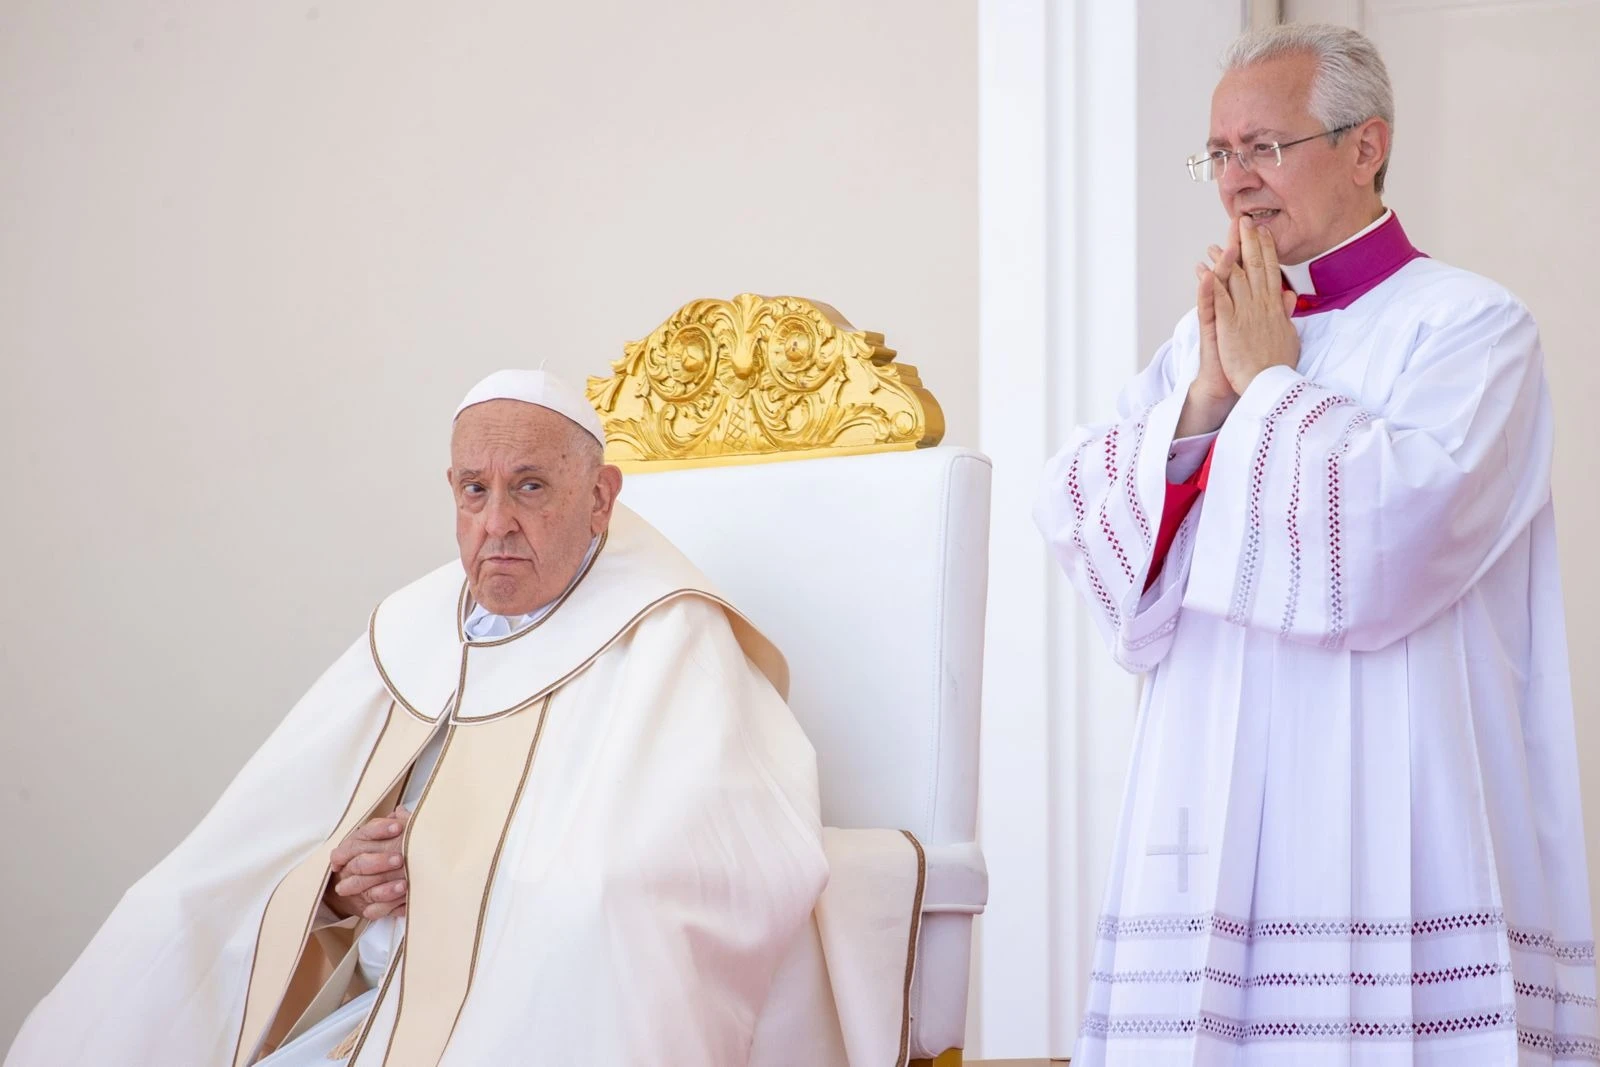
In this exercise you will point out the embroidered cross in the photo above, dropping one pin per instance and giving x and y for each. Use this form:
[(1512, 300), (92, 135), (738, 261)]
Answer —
[(1180, 850)]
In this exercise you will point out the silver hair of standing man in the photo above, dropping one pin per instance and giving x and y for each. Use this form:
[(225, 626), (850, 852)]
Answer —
[(1351, 85)]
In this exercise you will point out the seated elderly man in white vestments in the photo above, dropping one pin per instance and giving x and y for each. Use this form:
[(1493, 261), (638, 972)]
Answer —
[(553, 809), (1321, 518)]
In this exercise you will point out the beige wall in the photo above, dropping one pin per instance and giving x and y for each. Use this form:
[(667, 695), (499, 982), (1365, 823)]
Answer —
[(1180, 42), (251, 254)]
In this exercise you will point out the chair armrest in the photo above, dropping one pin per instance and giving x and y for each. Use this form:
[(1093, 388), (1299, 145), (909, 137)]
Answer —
[(957, 879)]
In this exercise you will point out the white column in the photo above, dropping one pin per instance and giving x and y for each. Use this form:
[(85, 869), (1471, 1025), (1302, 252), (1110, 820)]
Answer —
[(1057, 337), (1013, 972), (1067, 89)]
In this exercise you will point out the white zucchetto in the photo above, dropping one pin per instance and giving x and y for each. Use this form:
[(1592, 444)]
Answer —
[(540, 388)]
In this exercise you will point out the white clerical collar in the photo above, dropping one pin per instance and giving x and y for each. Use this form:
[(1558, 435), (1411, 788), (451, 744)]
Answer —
[(1298, 275), (481, 625)]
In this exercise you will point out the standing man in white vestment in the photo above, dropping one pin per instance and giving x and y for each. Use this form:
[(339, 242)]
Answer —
[(1321, 520), (551, 808)]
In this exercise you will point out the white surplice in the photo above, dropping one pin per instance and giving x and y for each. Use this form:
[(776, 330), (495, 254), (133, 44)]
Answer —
[(1352, 831)]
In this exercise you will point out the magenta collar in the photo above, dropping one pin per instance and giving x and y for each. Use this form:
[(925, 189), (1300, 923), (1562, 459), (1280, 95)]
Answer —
[(1346, 274)]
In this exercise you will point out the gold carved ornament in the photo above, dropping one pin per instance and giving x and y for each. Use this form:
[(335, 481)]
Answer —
[(759, 378)]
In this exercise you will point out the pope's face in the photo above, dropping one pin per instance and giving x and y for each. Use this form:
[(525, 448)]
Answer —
[(1322, 193), (531, 494)]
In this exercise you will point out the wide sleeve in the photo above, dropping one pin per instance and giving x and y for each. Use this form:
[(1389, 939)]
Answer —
[(1350, 526), (1100, 506), (666, 853)]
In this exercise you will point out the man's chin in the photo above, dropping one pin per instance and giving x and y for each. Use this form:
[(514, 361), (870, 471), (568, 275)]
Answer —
[(502, 594), (1289, 245)]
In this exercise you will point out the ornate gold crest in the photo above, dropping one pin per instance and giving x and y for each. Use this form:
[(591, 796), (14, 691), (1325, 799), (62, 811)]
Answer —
[(757, 378)]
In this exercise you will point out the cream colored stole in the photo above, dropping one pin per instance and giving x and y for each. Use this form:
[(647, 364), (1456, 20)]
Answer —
[(452, 851)]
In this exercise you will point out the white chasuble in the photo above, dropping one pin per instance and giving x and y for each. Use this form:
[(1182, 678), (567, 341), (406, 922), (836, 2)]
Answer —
[(1351, 832), (615, 851)]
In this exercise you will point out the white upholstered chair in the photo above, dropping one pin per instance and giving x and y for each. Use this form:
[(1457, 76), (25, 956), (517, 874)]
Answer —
[(868, 570)]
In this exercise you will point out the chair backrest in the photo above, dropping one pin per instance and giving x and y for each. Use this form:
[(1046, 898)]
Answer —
[(869, 572)]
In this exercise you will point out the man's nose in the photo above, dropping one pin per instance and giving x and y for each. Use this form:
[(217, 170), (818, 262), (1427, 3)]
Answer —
[(499, 519), (1236, 179)]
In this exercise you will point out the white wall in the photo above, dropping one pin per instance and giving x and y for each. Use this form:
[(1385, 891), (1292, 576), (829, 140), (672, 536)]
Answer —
[(251, 254), (1179, 47)]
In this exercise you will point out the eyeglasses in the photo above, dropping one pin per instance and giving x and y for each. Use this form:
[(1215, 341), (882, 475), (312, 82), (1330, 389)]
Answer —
[(1211, 166)]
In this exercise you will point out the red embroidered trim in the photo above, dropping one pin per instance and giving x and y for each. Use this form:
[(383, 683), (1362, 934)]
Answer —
[(1363, 979), (1105, 517), (1237, 1031), (1250, 553), (1562, 1046), (1544, 992), (1292, 599), (1544, 941), (1131, 479), (1113, 928), (1080, 515), (1337, 623), (1357, 1028)]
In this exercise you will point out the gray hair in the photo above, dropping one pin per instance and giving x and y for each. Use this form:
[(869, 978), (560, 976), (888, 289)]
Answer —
[(1351, 83), (592, 451)]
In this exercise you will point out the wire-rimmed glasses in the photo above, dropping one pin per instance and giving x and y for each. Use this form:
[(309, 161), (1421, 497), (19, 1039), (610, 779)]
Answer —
[(1211, 166)]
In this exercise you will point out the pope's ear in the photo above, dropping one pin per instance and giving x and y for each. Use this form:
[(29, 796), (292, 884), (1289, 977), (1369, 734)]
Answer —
[(607, 486)]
